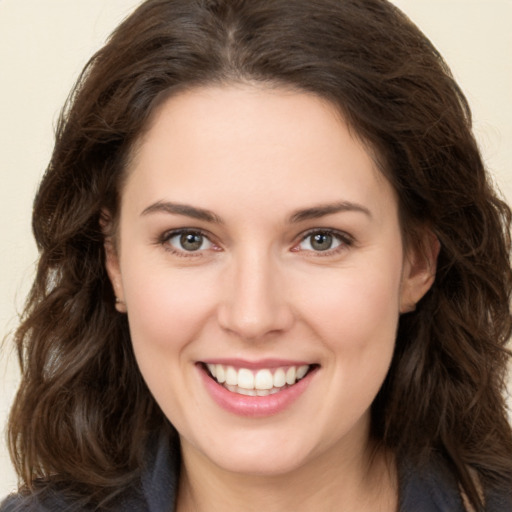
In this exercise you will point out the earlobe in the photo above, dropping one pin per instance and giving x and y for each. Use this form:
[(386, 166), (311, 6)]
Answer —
[(419, 271), (120, 305), (112, 263), (114, 274)]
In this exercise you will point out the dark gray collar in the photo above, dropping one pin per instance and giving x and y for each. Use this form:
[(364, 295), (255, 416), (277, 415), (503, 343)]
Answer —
[(431, 489), (161, 474)]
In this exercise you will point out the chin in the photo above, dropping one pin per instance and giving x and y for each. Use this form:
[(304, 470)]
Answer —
[(262, 465), (260, 454)]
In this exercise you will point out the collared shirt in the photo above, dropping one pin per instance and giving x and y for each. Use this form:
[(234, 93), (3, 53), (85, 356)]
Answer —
[(432, 490)]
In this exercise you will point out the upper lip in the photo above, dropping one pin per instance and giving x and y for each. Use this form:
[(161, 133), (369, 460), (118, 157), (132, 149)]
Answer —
[(255, 365)]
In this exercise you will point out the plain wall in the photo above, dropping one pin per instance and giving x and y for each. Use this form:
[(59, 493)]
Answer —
[(45, 43)]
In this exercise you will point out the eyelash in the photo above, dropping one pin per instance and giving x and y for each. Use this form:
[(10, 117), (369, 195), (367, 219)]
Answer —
[(344, 239)]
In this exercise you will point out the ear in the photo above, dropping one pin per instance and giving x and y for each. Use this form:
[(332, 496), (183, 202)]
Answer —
[(419, 270), (112, 260)]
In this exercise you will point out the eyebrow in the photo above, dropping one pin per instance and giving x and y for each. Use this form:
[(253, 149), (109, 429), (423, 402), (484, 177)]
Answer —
[(322, 210), (301, 215), (183, 209)]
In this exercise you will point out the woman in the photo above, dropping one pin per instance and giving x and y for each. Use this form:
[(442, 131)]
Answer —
[(273, 274)]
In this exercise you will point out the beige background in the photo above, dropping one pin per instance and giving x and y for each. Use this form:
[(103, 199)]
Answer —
[(45, 43)]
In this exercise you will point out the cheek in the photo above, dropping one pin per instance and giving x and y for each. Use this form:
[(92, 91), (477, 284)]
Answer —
[(358, 325), (167, 307), (167, 311), (356, 309)]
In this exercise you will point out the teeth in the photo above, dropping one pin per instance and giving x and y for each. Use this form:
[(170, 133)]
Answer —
[(260, 383), (231, 376), (212, 369), (279, 378), (301, 371), (248, 392), (291, 375), (220, 373), (245, 379), (263, 380)]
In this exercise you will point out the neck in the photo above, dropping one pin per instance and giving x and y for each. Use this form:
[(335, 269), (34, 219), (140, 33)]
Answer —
[(367, 483)]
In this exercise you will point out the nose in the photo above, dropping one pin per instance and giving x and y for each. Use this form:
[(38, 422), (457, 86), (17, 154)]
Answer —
[(254, 301)]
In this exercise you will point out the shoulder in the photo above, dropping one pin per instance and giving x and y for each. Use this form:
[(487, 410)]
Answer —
[(35, 503), (154, 490), (10, 504), (433, 488), (47, 499), (50, 499), (429, 488)]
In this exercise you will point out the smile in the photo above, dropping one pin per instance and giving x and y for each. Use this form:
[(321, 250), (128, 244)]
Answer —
[(262, 382), (256, 390)]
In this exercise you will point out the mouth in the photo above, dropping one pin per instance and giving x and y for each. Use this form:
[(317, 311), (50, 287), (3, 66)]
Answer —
[(257, 382)]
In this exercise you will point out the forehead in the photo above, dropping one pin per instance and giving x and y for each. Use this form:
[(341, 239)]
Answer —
[(253, 141)]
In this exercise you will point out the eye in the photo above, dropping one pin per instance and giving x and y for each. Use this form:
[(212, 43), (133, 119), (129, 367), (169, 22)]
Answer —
[(323, 241), (188, 241)]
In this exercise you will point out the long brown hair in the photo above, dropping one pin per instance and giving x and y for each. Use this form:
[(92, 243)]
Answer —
[(83, 412)]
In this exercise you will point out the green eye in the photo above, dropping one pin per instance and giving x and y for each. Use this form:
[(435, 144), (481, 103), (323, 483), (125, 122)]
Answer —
[(189, 241), (321, 241)]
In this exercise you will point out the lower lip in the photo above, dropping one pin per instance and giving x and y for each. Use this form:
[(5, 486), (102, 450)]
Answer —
[(254, 406)]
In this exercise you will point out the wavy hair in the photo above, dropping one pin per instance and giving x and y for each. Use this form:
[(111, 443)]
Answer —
[(83, 413)]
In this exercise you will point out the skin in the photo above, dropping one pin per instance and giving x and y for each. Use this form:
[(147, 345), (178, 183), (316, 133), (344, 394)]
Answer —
[(257, 288)]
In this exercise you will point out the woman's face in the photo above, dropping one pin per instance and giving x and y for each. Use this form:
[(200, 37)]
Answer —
[(259, 246)]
